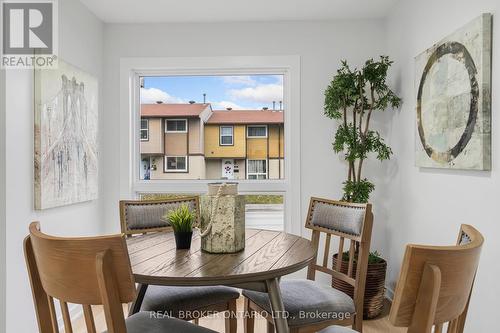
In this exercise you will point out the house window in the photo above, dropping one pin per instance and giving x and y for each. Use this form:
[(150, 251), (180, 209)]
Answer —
[(176, 126), (257, 131), (226, 135), (212, 141), (175, 163), (144, 129), (256, 169)]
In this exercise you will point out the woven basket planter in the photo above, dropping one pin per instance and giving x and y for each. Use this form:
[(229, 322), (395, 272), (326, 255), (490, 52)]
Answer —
[(374, 290)]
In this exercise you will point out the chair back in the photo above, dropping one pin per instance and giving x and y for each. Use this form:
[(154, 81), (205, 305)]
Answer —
[(87, 271), (435, 284), (143, 216), (349, 222)]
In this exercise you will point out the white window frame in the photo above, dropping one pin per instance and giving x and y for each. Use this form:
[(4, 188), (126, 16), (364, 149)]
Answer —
[(232, 135), (176, 170), (260, 136), (176, 119), (132, 69), (258, 173), (145, 129)]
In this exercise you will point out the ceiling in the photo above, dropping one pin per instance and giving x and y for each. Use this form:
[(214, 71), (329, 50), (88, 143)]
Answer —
[(155, 11)]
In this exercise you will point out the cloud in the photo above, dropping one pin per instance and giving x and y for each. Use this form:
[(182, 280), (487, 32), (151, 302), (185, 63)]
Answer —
[(153, 95), (243, 80), (222, 105), (264, 93)]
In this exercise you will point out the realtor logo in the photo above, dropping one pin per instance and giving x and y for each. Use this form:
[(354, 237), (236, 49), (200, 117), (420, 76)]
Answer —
[(29, 34)]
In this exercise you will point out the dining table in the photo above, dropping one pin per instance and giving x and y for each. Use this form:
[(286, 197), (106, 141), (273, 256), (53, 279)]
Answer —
[(268, 255)]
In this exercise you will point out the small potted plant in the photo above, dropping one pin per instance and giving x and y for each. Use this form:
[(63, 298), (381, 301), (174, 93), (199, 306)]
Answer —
[(181, 219)]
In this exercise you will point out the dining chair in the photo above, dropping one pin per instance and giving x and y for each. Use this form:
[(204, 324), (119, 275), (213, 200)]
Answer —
[(189, 303), (311, 306), (435, 285), (88, 271)]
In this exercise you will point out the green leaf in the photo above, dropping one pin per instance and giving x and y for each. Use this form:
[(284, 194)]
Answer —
[(181, 219), (354, 93), (357, 191)]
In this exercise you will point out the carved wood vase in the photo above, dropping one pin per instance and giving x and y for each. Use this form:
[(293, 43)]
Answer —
[(222, 219)]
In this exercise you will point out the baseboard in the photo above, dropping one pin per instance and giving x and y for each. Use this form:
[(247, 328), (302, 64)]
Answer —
[(75, 311)]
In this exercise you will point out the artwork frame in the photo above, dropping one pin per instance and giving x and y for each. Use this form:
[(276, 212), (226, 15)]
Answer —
[(453, 100), (66, 149)]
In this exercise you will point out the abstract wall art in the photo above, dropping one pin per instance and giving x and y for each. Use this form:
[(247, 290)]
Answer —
[(66, 147), (453, 92)]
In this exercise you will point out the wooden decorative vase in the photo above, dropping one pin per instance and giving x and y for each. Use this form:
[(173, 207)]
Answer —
[(222, 219)]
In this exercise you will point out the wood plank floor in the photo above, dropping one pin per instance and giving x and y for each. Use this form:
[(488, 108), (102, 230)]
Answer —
[(378, 325)]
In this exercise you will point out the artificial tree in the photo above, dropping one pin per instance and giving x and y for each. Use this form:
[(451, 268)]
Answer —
[(352, 97)]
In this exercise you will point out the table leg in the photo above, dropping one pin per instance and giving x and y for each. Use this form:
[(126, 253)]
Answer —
[(277, 307), (136, 305)]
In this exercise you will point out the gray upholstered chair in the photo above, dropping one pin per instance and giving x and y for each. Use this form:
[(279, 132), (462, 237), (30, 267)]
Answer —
[(145, 216), (311, 306), (337, 329)]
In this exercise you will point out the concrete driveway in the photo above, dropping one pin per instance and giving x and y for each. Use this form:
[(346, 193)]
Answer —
[(264, 216)]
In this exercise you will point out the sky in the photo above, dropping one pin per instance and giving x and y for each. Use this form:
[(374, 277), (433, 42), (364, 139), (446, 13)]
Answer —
[(240, 92)]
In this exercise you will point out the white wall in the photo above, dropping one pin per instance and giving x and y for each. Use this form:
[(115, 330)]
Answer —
[(430, 204), (321, 46), (81, 44), (2, 202)]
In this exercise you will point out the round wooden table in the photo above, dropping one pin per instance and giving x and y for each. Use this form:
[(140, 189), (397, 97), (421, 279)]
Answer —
[(267, 256)]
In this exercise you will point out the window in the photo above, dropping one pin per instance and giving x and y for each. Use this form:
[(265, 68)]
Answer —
[(255, 131), (144, 129), (175, 163), (256, 169), (141, 76), (209, 138), (226, 135), (176, 126)]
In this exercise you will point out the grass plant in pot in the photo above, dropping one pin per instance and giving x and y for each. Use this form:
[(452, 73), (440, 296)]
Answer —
[(181, 219), (351, 98)]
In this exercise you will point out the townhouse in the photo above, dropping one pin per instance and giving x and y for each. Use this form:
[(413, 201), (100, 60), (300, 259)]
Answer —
[(192, 141)]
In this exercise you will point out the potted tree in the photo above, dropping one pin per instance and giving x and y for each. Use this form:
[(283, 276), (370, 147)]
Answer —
[(352, 97), (181, 219)]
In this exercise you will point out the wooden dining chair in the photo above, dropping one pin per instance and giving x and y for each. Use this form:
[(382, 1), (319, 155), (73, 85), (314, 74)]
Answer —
[(88, 271), (311, 306), (189, 303), (146, 216), (435, 285)]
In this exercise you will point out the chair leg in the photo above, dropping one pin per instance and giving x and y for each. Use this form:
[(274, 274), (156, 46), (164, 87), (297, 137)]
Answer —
[(231, 320), (248, 317), (358, 323), (270, 327)]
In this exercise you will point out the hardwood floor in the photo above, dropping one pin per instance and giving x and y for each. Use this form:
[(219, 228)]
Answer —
[(379, 325)]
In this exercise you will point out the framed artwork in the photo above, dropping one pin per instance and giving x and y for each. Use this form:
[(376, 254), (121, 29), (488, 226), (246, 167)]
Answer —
[(66, 127), (453, 92)]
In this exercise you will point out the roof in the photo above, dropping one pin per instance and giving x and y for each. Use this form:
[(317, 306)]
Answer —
[(173, 110), (246, 117)]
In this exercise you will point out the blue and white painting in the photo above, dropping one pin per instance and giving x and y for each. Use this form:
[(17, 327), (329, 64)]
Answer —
[(66, 127)]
